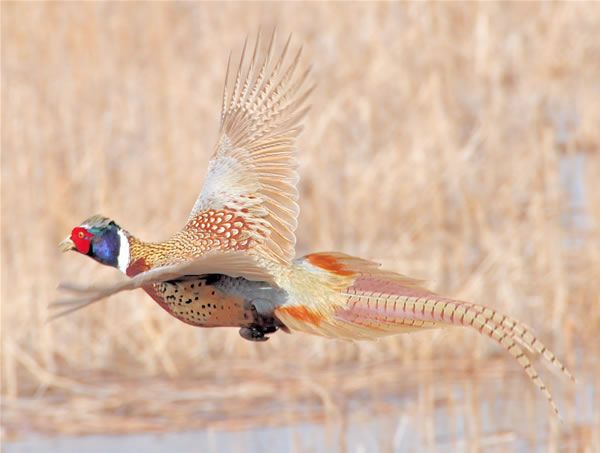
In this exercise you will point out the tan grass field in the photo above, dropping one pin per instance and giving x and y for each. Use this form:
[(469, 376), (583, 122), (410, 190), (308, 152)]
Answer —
[(458, 143)]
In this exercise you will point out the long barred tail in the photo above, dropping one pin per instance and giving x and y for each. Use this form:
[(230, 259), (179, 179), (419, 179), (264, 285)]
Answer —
[(389, 313), (379, 303), (523, 335)]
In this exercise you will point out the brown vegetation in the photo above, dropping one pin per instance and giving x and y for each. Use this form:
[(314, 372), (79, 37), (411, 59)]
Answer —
[(458, 143)]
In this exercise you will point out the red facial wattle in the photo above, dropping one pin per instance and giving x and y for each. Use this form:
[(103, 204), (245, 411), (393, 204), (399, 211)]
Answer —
[(81, 238)]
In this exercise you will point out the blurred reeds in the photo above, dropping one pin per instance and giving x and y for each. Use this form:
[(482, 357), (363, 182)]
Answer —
[(458, 143)]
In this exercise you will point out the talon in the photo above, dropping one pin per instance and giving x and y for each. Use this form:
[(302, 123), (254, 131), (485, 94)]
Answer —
[(269, 329), (256, 333)]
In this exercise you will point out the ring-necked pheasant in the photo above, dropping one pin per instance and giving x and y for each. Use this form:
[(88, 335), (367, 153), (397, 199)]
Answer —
[(233, 262)]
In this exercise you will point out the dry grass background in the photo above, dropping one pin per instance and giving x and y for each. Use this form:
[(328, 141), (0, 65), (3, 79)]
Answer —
[(434, 144)]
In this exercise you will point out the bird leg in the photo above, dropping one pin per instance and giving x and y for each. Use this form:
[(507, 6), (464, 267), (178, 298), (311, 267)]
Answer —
[(263, 320)]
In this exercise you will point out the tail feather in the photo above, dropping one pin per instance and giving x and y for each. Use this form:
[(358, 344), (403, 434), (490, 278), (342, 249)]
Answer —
[(525, 337), (393, 314), (374, 303)]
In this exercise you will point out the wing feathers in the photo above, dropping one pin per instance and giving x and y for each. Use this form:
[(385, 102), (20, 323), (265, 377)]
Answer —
[(238, 77), (234, 264), (253, 169), (224, 101)]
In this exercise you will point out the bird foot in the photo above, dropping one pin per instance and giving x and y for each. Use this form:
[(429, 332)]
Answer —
[(264, 320), (257, 333)]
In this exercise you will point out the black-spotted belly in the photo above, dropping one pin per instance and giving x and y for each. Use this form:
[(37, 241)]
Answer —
[(218, 300)]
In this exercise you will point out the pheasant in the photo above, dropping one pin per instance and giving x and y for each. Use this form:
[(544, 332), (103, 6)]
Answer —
[(233, 265)]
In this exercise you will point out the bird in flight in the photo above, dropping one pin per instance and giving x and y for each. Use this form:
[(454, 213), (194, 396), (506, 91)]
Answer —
[(233, 263)]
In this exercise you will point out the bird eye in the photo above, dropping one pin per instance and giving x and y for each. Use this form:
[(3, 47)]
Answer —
[(80, 235)]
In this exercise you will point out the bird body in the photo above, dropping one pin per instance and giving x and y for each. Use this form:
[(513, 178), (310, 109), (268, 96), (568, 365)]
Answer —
[(233, 263), (215, 300)]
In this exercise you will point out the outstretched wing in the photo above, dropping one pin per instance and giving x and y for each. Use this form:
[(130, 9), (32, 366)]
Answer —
[(252, 173), (234, 264)]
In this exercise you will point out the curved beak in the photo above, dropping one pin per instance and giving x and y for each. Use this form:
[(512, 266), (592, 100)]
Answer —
[(66, 245)]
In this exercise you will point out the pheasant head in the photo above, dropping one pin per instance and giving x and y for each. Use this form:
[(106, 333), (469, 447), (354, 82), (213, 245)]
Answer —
[(102, 239)]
